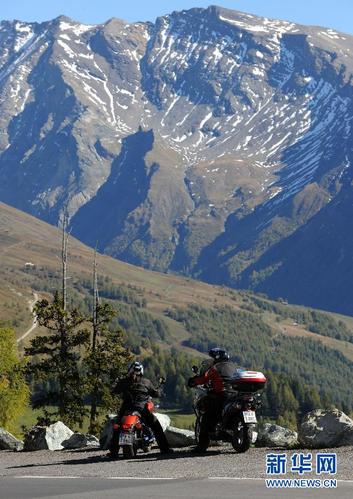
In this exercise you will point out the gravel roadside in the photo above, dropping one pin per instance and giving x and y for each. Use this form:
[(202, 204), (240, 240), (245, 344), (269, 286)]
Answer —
[(216, 463)]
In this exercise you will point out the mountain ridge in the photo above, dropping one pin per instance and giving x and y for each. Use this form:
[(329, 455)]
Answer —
[(249, 123)]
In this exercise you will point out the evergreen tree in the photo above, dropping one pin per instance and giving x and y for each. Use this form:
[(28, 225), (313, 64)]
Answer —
[(56, 361), (14, 392)]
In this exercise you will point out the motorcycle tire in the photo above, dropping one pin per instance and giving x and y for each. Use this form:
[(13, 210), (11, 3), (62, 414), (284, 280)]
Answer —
[(129, 451), (241, 438), (114, 446), (114, 453), (202, 441)]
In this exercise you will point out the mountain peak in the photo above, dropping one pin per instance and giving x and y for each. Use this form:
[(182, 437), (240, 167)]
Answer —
[(251, 135), (63, 18)]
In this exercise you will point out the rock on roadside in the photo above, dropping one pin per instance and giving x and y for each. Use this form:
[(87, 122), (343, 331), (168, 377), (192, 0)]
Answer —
[(92, 440), (47, 437), (180, 438), (272, 435), (326, 428), (80, 440), (107, 432), (163, 419), (9, 442)]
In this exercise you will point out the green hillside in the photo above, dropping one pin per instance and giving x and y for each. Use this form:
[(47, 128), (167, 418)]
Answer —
[(307, 354)]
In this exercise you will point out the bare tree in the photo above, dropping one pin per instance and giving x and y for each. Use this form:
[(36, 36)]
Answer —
[(107, 357), (95, 332), (64, 246)]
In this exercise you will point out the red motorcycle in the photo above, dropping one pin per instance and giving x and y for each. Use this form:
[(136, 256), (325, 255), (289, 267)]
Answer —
[(131, 434)]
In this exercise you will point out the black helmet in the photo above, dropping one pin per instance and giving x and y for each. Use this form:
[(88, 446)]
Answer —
[(136, 368), (218, 354)]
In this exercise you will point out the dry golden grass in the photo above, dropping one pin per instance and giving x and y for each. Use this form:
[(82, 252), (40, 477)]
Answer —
[(344, 347), (24, 238)]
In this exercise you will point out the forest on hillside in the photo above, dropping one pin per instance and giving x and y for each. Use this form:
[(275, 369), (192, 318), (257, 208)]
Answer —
[(302, 374)]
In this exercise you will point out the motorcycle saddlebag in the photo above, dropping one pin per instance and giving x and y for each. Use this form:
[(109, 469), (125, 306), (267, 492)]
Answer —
[(248, 381)]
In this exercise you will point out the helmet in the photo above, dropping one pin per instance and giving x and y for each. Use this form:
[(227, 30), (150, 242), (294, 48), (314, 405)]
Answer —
[(218, 354), (136, 368)]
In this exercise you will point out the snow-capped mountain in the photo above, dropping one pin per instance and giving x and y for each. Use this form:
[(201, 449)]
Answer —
[(196, 144)]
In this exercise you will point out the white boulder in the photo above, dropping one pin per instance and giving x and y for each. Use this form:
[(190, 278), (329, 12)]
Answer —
[(80, 440), (180, 438), (76, 441), (92, 440), (326, 428), (47, 437), (163, 419), (272, 435), (9, 442), (107, 432)]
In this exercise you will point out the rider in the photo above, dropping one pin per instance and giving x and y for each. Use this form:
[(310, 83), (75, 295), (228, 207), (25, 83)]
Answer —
[(136, 391), (216, 378)]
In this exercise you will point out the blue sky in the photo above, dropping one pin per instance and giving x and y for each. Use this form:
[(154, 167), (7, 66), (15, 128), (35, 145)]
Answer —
[(336, 14)]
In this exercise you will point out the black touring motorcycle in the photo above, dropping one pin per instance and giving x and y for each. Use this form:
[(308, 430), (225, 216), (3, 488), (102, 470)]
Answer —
[(238, 422)]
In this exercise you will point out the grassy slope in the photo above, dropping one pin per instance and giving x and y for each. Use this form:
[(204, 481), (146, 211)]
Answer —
[(26, 239)]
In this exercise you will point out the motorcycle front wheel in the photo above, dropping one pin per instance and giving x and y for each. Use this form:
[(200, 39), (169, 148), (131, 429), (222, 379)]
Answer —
[(241, 438), (202, 438)]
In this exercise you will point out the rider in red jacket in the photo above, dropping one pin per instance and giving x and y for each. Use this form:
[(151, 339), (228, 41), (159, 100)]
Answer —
[(216, 378)]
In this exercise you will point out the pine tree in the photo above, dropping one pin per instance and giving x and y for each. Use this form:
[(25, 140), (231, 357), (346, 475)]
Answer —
[(56, 356), (57, 363), (14, 391)]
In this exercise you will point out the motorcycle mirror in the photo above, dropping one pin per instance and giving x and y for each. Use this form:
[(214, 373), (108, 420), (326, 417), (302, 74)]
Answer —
[(195, 369)]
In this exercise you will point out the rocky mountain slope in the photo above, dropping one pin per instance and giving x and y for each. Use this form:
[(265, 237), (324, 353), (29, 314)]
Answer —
[(211, 142)]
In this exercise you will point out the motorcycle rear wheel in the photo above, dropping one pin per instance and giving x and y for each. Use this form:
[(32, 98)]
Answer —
[(114, 445), (129, 451), (241, 438), (114, 453)]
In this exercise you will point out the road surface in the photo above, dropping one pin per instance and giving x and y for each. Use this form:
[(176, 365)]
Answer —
[(31, 304), (206, 488), (91, 474)]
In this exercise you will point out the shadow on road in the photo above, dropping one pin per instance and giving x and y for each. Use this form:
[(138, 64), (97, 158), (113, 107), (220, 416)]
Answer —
[(176, 455), (140, 458)]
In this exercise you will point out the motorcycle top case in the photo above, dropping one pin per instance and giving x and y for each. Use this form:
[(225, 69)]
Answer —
[(248, 381)]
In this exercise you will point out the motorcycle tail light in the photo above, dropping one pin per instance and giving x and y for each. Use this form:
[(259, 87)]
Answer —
[(150, 406), (129, 420)]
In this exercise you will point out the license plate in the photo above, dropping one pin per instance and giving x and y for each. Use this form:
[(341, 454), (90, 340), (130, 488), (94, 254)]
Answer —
[(249, 417), (126, 439)]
